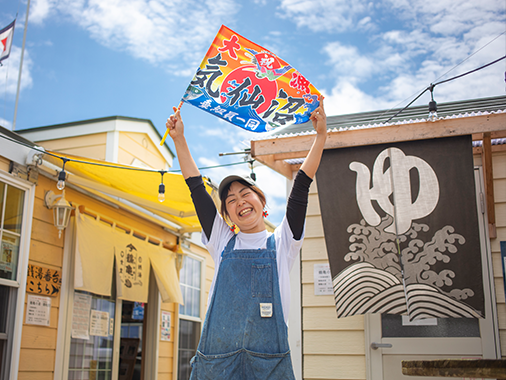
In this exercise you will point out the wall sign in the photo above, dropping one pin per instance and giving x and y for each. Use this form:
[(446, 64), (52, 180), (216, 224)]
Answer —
[(38, 310), (43, 281)]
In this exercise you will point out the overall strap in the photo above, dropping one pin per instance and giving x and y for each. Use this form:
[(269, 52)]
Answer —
[(230, 245), (271, 242)]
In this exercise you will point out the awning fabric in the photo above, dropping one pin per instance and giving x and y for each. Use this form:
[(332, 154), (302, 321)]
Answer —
[(139, 187), (94, 260), (98, 244)]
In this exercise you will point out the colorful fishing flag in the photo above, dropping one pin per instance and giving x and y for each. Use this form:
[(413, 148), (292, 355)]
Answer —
[(249, 86), (6, 35)]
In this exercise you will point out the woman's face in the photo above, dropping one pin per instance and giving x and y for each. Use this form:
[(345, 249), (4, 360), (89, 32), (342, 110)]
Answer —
[(245, 208)]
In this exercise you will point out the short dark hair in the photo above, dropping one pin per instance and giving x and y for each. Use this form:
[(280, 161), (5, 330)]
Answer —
[(256, 189)]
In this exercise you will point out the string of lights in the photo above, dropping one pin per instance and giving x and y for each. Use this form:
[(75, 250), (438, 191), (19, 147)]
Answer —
[(441, 76), (432, 103), (62, 175)]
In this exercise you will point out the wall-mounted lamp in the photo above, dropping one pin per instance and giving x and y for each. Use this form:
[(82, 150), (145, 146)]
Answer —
[(61, 209)]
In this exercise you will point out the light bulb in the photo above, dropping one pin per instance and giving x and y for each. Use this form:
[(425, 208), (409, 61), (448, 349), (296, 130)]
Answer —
[(432, 110), (161, 192), (61, 180)]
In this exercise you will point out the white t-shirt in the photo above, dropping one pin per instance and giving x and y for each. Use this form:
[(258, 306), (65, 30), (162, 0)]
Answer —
[(287, 249)]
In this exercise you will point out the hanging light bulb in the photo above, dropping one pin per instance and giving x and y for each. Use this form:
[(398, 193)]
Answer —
[(60, 185), (432, 105), (161, 188), (161, 192)]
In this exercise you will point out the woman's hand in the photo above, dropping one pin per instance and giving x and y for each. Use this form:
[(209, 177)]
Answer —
[(319, 119), (175, 124), (312, 161)]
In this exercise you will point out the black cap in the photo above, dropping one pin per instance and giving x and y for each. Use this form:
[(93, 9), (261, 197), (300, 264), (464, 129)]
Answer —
[(231, 178)]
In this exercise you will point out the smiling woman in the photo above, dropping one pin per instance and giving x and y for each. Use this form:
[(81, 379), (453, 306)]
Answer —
[(250, 293)]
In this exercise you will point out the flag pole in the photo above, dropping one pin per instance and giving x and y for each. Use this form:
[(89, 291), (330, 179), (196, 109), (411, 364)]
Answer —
[(21, 67), (167, 131)]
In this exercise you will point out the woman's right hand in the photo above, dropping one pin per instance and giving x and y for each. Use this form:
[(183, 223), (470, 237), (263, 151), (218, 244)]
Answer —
[(175, 124)]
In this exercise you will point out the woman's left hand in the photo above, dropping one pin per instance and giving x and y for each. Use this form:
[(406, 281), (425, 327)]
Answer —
[(319, 119)]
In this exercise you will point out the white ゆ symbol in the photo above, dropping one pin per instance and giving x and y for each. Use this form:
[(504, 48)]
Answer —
[(395, 180)]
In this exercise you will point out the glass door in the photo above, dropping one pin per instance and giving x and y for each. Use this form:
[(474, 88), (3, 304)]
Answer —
[(92, 358), (131, 343)]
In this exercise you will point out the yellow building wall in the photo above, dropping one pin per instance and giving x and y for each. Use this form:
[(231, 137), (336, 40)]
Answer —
[(499, 170), (4, 164), (138, 146), (332, 348), (90, 146), (38, 343)]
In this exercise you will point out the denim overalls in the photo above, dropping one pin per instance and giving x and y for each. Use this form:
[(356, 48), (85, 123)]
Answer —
[(245, 335)]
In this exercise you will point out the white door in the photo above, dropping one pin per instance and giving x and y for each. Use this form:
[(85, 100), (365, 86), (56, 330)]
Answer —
[(389, 339)]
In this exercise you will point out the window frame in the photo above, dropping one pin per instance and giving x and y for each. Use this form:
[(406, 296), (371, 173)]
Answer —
[(18, 287)]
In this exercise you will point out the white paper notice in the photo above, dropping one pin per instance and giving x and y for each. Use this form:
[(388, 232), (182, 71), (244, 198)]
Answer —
[(165, 326), (322, 280), (99, 323), (81, 316), (38, 310)]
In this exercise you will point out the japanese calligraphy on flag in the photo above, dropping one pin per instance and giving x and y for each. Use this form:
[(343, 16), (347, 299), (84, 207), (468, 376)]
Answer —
[(249, 86), (6, 35)]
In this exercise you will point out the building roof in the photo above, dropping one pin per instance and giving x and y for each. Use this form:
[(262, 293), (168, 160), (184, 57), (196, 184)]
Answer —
[(284, 150), (99, 125), (412, 114)]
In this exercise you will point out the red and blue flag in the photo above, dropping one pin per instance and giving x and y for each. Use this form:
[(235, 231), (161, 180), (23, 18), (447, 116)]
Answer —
[(249, 86), (6, 35)]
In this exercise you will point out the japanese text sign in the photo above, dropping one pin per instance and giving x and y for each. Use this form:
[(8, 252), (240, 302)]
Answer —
[(249, 86), (43, 281)]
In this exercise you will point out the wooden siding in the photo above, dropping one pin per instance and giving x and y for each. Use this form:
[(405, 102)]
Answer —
[(139, 145), (4, 164), (332, 348), (166, 348), (90, 146), (499, 171), (38, 343)]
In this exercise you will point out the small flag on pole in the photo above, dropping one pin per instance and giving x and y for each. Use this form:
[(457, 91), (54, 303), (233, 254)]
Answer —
[(6, 35), (249, 86)]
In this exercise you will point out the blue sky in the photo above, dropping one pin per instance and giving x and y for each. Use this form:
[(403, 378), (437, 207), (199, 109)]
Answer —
[(94, 58)]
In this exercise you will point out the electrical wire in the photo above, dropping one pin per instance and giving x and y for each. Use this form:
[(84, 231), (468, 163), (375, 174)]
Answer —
[(453, 68), (432, 85), (66, 159)]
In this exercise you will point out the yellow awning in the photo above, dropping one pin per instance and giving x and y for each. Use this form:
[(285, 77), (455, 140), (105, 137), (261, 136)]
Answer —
[(138, 187)]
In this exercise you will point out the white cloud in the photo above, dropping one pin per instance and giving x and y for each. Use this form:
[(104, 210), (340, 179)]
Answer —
[(10, 71), (323, 15), (40, 10), (5, 123), (437, 36), (172, 32)]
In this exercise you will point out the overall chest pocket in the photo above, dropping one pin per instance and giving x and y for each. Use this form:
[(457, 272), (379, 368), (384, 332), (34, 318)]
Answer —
[(261, 280)]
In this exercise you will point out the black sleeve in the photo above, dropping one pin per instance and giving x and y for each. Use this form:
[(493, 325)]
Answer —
[(297, 204), (204, 205)]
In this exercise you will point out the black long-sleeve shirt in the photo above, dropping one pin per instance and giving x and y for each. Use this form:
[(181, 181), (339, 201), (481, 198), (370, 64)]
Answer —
[(295, 209)]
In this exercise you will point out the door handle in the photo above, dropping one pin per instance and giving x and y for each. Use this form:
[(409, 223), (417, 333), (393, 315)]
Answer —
[(375, 345)]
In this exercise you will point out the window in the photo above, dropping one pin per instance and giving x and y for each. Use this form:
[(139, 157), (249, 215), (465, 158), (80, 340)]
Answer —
[(189, 314), (92, 358), (13, 200)]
